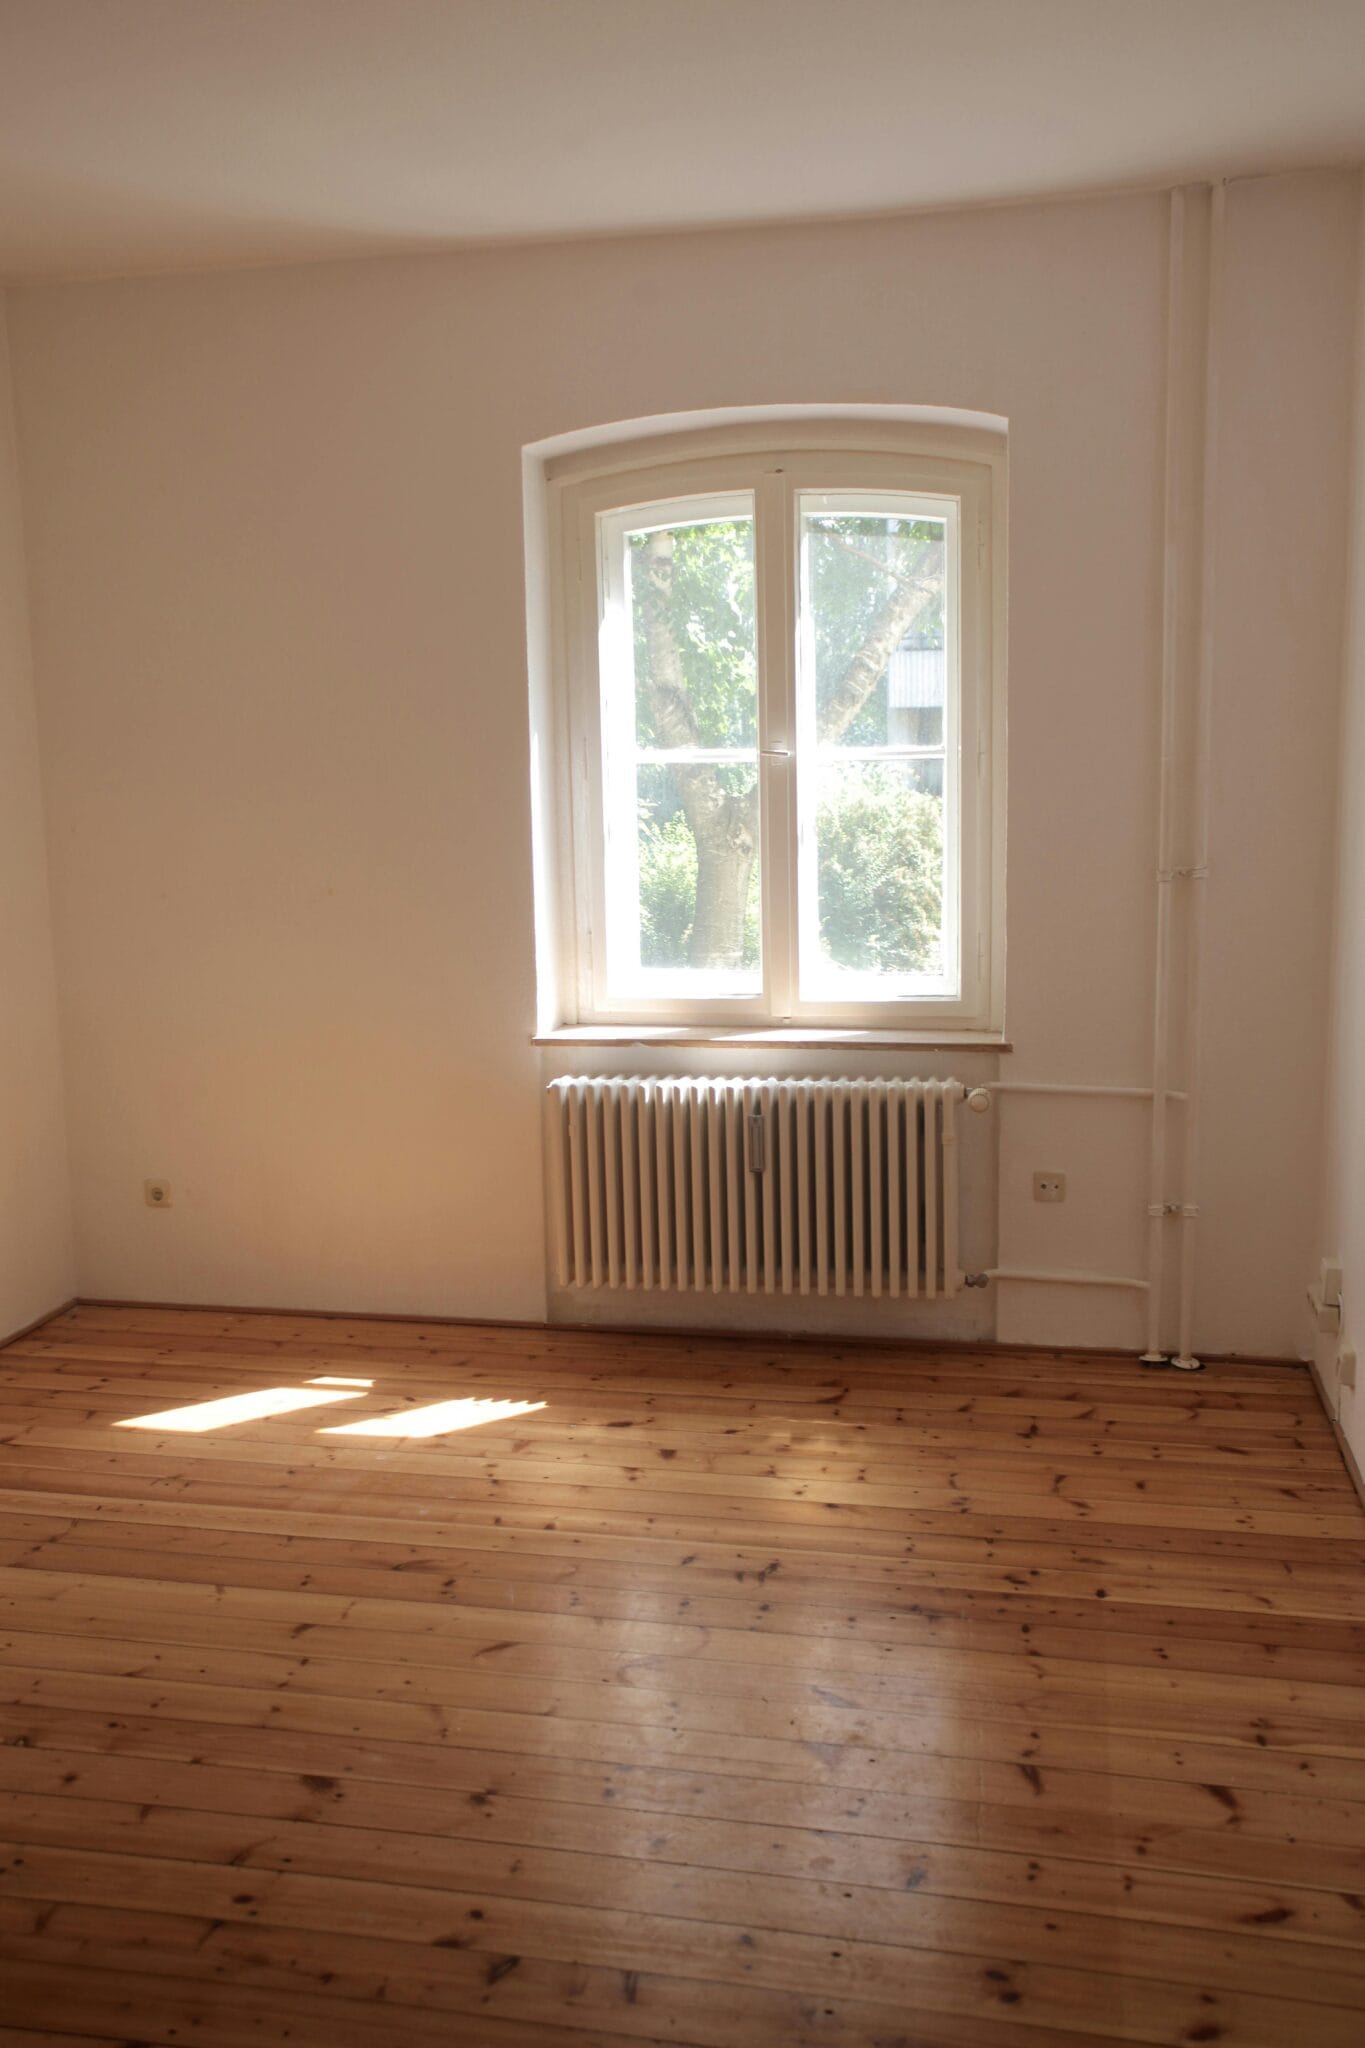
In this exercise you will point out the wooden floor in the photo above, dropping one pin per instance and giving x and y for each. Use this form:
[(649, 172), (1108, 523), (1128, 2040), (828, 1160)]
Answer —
[(736, 1695)]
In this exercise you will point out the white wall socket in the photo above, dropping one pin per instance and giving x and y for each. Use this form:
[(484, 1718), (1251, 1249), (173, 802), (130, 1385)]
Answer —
[(157, 1194), (1049, 1187), (1325, 1298)]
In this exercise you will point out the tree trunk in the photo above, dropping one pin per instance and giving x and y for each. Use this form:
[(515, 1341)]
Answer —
[(724, 826), (726, 846), (915, 591)]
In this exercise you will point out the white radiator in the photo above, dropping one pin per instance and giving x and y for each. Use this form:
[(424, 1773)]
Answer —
[(778, 1186)]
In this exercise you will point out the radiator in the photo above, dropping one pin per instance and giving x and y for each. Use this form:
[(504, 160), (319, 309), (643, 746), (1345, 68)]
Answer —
[(768, 1186)]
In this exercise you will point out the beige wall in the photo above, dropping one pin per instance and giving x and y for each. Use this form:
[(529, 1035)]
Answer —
[(1341, 1226), (36, 1272), (1277, 597), (276, 525)]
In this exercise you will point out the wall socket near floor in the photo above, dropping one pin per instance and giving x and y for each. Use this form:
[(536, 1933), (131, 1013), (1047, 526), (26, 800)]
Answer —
[(1049, 1187), (157, 1194), (1337, 1378)]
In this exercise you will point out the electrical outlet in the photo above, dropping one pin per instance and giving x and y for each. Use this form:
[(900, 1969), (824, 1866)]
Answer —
[(157, 1193), (1049, 1187)]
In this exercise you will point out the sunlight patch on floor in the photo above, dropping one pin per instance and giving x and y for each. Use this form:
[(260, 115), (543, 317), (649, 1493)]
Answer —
[(232, 1408), (437, 1420)]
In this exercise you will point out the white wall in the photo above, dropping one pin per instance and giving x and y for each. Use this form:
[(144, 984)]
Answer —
[(1341, 1223), (275, 527), (1278, 596), (36, 1269)]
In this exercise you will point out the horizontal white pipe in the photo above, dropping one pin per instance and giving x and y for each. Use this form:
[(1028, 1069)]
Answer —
[(1064, 1279), (1074, 1088)]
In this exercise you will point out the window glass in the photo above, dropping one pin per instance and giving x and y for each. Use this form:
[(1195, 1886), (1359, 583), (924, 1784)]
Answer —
[(876, 723), (680, 750)]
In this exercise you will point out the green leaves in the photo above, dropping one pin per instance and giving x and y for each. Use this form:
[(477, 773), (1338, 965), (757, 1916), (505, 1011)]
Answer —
[(880, 872), (855, 564), (668, 885), (880, 868), (869, 579), (708, 608)]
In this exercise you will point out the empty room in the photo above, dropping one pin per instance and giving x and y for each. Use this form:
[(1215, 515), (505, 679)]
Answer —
[(682, 1023)]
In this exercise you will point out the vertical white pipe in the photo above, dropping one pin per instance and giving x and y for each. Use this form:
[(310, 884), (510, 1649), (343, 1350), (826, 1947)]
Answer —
[(876, 1129), (630, 1179), (597, 1208), (790, 1186), (560, 1180), (839, 1136), (767, 1096), (649, 1236), (715, 1122), (1200, 807), (663, 1182), (696, 1120), (749, 1106), (821, 1092), (931, 1095), (858, 1185), (578, 1167), (895, 1102), (1173, 537), (611, 1176), (952, 1278)]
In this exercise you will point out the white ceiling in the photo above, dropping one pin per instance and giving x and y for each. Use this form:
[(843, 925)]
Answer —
[(188, 134)]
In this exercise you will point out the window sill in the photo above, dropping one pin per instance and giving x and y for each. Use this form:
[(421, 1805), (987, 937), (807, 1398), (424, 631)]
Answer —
[(817, 1037)]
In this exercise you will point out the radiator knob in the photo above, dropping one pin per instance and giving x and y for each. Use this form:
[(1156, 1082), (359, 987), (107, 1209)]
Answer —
[(979, 1099)]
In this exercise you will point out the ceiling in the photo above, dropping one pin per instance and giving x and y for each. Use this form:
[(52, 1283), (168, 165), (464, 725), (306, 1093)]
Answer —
[(189, 134)]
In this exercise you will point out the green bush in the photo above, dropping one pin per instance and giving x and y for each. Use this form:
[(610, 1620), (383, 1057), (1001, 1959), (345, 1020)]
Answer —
[(880, 870), (668, 893), (880, 873)]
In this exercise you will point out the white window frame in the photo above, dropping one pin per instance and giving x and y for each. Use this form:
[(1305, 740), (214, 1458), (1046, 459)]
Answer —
[(775, 466)]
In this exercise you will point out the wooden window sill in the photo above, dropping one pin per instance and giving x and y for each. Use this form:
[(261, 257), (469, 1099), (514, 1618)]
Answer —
[(817, 1037)]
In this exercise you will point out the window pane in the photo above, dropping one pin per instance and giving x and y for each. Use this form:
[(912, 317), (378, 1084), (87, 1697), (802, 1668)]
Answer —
[(692, 623), (874, 599), (876, 746), (879, 877), (698, 904), (680, 728)]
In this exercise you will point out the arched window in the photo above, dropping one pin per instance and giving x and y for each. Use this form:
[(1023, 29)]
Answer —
[(779, 666)]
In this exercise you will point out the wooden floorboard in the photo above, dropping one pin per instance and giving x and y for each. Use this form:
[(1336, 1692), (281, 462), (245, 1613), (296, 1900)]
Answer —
[(740, 1695)]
